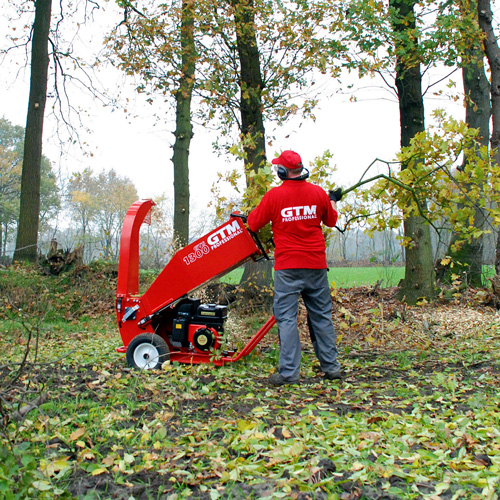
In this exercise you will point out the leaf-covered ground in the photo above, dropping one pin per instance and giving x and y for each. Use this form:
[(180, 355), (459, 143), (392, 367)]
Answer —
[(416, 415)]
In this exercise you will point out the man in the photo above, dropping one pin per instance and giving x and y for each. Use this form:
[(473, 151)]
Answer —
[(296, 210)]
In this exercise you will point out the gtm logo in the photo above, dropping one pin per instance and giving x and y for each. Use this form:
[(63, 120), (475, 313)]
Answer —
[(223, 232), (299, 211)]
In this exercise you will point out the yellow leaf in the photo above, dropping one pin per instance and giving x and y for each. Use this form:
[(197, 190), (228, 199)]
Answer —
[(245, 425), (370, 436), (286, 433), (411, 459), (296, 449), (345, 312), (109, 460), (80, 444), (42, 485), (51, 468), (77, 434), (100, 470)]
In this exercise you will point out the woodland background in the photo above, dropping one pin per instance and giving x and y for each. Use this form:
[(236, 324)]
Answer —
[(247, 69)]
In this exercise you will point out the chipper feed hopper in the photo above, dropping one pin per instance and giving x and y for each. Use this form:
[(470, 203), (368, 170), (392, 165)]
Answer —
[(164, 322)]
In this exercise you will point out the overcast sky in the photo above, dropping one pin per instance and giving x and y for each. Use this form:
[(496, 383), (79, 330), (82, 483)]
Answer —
[(137, 145)]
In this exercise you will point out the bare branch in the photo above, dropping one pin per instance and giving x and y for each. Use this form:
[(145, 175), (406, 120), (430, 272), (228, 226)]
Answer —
[(20, 414)]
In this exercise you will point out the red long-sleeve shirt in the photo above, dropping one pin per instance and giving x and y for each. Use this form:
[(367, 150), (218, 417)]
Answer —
[(295, 210)]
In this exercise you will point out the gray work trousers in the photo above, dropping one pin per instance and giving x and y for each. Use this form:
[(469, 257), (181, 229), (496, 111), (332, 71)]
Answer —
[(312, 284)]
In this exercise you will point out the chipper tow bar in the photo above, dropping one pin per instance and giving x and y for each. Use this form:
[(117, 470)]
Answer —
[(164, 323)]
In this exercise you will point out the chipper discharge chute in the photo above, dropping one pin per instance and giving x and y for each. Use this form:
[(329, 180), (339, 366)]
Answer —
[(164, 322)]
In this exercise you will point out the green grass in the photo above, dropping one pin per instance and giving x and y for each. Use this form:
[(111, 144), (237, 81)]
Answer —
[(347, 277)]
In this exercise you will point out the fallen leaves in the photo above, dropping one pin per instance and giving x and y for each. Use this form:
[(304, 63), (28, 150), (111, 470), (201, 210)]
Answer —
[(416, 415)]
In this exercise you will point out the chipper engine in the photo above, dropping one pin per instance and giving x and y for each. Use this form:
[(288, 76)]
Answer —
[(164, 322)]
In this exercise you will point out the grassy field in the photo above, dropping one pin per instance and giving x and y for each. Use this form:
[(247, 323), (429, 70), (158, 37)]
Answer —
[(346, 277), (341, 277), (415, 416)]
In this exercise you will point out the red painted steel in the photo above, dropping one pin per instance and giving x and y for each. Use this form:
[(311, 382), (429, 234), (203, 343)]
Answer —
[(229, 357), (209, 257), (128, 267)]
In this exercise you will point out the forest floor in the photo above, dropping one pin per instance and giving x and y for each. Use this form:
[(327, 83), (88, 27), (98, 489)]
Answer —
[(416, 415)]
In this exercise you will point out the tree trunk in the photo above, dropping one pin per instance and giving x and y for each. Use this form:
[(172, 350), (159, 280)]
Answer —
[(27, 231), (184, 129), (492, 51), (419, 271), (497, 256), (252, 122), (468, 256)]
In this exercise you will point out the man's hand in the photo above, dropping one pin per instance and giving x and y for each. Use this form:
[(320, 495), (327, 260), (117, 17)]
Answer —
[(335, 195)]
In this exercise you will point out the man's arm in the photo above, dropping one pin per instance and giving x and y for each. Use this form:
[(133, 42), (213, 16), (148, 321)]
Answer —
[(258, 217)]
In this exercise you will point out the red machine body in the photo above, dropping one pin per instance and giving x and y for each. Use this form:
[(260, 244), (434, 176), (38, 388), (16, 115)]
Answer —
[(192, 331)]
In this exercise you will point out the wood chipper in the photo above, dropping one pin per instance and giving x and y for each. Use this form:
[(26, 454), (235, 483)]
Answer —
[(164, 322)]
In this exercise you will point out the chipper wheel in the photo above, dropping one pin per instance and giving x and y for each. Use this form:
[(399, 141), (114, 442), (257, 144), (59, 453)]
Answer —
[(147, 351)]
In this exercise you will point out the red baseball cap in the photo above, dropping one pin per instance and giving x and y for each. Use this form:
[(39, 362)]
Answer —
[(288, 159)]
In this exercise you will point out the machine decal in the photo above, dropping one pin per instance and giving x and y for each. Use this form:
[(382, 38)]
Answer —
[(224, 234), (199, 251)]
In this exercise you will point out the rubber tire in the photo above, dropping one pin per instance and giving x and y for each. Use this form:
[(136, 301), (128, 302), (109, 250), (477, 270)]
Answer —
[(150, 345)]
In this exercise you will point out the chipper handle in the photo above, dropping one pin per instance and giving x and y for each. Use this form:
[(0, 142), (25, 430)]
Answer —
[(255, 236)]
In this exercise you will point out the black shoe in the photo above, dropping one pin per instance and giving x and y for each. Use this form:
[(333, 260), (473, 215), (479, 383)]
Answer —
[(278, 379), (333, 375)]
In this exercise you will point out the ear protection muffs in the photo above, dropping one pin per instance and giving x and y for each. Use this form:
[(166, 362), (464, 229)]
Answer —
[(283, 174)]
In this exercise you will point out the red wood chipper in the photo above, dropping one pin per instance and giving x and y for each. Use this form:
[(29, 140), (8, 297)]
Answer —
[(164, 322)]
